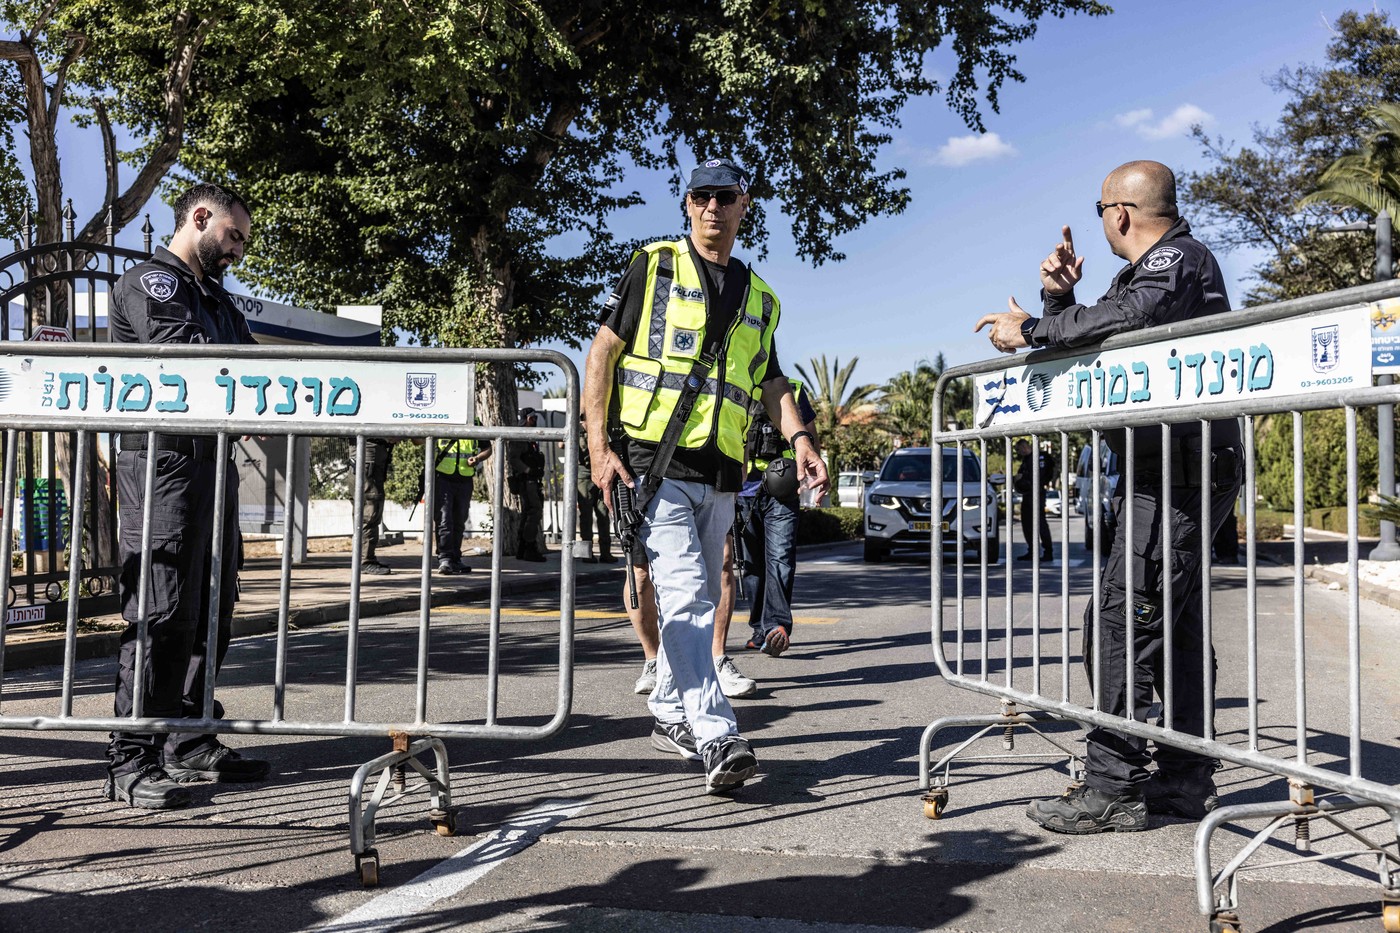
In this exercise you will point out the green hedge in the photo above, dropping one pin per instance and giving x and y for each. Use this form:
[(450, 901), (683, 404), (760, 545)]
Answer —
[(818, 526), (1335, 519)]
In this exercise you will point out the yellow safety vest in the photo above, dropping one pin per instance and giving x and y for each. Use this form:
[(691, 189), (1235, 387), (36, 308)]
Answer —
[(761, 465), (453, 462), (668, 341)]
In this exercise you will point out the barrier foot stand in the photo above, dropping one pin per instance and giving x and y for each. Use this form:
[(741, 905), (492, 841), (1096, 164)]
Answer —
[(391, 769), (934, 778), (1217, 894)]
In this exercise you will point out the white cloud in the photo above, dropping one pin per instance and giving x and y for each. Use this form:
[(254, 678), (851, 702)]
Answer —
[(962, 150), (1176, 123), (1133, 117)]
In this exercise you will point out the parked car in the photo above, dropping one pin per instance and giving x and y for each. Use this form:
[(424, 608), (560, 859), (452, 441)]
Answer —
[(1084, 494), (1053, 504), (898, 505), (850, 489)]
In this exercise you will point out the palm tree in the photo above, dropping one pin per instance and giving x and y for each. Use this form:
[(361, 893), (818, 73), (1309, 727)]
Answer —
[(1368, 179), (908, 402), (838, 403)]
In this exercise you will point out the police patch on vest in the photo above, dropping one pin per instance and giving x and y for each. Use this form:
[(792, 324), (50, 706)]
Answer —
[(159, 285), (1163, 257), (687, 294), (685, 341)]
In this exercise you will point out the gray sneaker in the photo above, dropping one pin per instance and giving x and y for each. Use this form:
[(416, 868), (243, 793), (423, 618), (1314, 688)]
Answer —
[(729, 762), (732, 683), (647, 682), (675, 737)]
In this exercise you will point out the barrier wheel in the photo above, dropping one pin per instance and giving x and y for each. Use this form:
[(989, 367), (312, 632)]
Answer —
[(1390, 918), (445, 822), (368, 867), (934, 803), (1226, 923)]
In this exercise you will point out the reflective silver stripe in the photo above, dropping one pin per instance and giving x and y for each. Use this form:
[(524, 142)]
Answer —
[(761, 357), (633, 379), (751, 321), (676, 381), (656, 338)]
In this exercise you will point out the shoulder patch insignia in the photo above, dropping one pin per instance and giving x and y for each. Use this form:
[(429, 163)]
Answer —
[(1163, 257), (159, 285)]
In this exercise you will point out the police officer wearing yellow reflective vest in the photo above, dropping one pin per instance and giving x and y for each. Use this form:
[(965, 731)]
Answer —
[(686, 344), (457, 459)]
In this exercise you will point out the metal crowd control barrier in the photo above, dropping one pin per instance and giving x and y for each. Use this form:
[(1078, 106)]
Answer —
[(1281, 360), (232, 391)]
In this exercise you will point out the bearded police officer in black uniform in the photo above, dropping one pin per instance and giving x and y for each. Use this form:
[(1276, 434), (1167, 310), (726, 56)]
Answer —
[(175, 298), (1169, 277)]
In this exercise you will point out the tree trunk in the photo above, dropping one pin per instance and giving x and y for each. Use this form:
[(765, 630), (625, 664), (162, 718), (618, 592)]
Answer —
[(495, 384)]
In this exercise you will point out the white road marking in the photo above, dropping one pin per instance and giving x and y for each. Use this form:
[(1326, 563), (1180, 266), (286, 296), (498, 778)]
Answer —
[(451, 875)]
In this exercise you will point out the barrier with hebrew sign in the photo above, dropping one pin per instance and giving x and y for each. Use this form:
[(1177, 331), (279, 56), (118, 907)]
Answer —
[(1274, 362)]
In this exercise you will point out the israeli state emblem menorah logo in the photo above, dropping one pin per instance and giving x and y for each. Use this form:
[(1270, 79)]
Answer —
[(1325, 347), (420, 390)]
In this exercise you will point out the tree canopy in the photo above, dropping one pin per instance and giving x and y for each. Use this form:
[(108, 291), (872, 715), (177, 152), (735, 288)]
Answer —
[(1255, 196)]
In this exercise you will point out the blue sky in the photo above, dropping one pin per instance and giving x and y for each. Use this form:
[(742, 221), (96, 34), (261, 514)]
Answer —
[(986, 210)]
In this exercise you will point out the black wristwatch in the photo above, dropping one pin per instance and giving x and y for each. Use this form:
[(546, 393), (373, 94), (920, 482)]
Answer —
[(1028, 330), (792, 441)]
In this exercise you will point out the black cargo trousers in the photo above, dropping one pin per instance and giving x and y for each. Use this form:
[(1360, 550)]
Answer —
[(1116, 763), (178, 595)]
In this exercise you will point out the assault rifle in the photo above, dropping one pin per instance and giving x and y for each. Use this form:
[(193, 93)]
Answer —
[(628, 522)]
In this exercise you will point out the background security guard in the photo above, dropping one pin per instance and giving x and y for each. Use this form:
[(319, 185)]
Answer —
[(767, 528), (1170, 277), (456, 465), (175, 298)]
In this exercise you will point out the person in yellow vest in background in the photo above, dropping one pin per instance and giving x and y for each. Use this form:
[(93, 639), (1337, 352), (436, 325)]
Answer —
[(684, 346), (456, 465)]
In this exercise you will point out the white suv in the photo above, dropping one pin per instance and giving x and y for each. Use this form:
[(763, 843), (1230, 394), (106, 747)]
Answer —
[(898, 504)]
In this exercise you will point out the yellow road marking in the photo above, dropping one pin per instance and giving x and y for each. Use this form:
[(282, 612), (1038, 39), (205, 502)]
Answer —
[(815, 620), (534, 613)]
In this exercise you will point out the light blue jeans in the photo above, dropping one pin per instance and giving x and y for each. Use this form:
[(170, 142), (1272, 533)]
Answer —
[(684, 533)]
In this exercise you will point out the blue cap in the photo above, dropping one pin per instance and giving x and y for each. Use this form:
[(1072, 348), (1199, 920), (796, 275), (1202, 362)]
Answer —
[(719, 173)]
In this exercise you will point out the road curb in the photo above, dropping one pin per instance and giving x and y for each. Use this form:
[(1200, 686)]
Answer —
[(1376, 594)]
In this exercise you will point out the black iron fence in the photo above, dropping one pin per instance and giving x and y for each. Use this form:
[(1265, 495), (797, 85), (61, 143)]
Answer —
[(58, 292)]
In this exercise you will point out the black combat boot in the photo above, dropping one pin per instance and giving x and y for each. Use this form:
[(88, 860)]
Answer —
[(1083, 810)]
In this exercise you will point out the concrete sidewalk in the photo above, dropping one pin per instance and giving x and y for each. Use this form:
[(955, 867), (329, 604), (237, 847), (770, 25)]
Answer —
[(320, 594)]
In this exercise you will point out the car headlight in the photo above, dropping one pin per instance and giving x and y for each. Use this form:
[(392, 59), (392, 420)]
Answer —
[(886, 502), (972, 502)]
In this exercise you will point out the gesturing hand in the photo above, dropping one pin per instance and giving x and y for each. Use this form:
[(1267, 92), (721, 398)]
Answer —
[(1006, 327), (1061, 269)]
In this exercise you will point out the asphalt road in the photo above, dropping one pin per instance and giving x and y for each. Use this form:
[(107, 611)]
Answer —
[(595, 830)]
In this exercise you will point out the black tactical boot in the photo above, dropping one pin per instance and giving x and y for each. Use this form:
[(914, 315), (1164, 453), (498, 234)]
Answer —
[(148, 787), (1083, 810), (219, 764), (1188, 794)]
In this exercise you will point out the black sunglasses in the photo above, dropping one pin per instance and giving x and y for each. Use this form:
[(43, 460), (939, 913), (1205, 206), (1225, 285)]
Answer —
[(701, 196), (1099, 205)]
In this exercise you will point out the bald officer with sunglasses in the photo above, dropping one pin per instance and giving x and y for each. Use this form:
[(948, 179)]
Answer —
[(688, 312), (1170, 276)]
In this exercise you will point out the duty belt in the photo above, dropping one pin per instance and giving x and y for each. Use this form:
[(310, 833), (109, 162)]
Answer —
[(198, 446)]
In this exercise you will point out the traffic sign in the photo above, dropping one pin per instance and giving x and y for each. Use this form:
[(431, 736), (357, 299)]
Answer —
[(48, 334)]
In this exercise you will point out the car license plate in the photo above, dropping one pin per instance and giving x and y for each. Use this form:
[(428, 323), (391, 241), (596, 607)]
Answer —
[(946, 528), (921, 526)]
